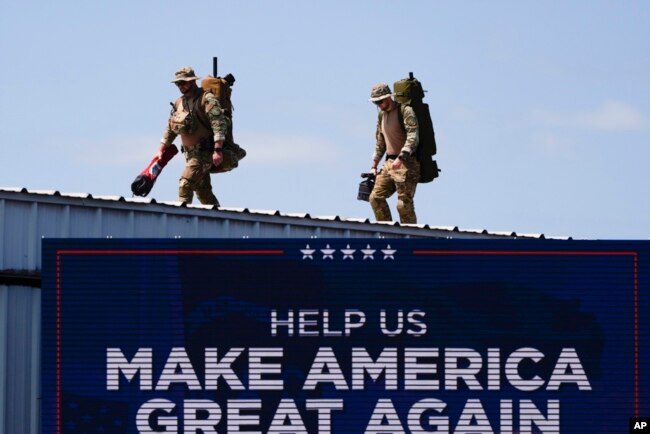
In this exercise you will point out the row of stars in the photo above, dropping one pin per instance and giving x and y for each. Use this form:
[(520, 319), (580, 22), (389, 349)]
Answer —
[(348, 253)]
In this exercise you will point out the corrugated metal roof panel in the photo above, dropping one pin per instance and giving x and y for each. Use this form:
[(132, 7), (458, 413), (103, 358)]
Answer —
[(357, 220), (333, 218), (505, 234), (263, 211), (298, 215), (81, 195), (558, 238), (540, 236), (386, 223), (111, 198), (138, 199), (446, 228), (26, 216), (46, 192)]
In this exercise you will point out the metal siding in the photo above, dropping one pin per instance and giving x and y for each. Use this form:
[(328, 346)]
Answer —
[(48, 220), (285, 231), (20, 312), (53, 220), (14, 244), (148, 225), (117, 223), (83, 222), (220, 228), (180, 226), (4, 337)]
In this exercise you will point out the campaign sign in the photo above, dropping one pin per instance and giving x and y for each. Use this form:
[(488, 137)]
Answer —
[(345, 336)]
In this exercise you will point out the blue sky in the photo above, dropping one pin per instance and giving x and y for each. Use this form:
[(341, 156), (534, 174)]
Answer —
[(541, 109)]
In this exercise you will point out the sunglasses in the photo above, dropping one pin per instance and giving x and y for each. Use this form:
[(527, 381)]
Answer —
[(380, 102), (182, 83)]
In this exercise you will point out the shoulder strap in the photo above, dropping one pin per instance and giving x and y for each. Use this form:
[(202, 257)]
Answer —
[(201, 115), (400, 116)]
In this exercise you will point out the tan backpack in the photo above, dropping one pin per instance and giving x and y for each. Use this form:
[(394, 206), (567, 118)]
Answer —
[(222, 89)]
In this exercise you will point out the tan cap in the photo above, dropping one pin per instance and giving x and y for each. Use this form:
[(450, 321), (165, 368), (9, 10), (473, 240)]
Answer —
[(380, 91), (185, 74)]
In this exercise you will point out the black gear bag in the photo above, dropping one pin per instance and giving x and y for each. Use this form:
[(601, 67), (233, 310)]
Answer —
[(409, 92)]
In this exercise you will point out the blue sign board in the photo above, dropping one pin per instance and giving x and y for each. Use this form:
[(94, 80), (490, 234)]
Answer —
[(344, 336)]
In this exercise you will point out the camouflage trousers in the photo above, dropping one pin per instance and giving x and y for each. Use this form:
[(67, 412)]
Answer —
[(196, 178), (403, 180)]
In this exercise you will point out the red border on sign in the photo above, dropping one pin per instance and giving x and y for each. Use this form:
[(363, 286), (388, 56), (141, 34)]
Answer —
[(60, 253)]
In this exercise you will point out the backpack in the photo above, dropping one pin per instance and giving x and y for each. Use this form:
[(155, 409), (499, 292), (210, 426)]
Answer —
[(222, 89), (409, 92)]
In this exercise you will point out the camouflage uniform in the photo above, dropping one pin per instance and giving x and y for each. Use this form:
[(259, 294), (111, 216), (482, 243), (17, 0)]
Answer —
[(403, 180), (200, 121)]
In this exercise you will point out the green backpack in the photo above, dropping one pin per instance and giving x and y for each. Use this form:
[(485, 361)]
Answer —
[(409, 92)]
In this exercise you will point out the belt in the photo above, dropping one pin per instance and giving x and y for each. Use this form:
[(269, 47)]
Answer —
[(205, 145), (391, 157)]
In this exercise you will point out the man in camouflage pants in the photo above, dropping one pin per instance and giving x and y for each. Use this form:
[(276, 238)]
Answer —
[(198, 118), (397, 137)]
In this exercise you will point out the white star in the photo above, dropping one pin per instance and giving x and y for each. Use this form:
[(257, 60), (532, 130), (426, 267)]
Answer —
[(327, 252), (388, 253), (348, 252), (307, 252), (368, 252)]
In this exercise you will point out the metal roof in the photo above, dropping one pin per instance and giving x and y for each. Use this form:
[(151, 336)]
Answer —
[(26, 216)]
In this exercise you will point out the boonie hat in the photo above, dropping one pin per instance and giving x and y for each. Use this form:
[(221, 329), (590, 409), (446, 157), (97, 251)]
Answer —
[(185, 74), (380, 91)]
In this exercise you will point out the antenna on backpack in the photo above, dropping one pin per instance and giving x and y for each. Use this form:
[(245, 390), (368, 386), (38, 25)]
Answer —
[(410, 74), (214, 66)]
